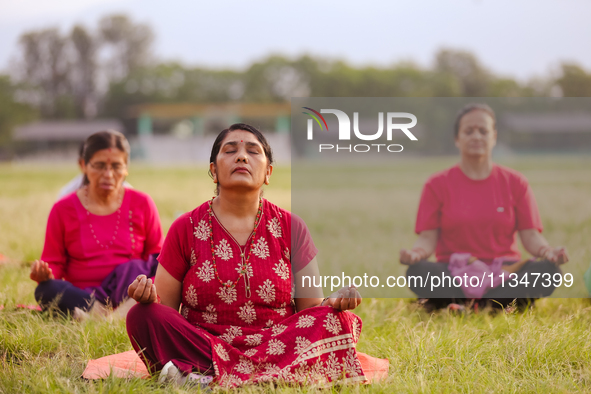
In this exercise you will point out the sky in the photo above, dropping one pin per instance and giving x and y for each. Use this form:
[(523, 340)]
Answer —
[(522, 39)]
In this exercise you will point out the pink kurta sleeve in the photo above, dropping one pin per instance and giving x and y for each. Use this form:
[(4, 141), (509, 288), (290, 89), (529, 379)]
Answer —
[(175, 256), (153, 228), (54, 249)]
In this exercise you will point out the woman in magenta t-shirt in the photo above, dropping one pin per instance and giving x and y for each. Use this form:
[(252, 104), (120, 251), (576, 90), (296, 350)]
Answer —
[(100, 237), (478, 207)]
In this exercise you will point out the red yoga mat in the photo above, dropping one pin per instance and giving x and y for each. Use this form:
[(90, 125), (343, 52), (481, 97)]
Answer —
[(129, 365)]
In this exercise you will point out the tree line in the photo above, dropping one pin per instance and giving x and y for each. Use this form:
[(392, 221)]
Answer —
[(99, 71)]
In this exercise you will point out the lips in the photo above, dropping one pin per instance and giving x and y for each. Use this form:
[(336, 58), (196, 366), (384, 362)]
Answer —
[(242, 170)]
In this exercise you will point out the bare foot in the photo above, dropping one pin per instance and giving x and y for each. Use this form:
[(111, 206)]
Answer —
[(123, 308), (80, 315), (98, 310)]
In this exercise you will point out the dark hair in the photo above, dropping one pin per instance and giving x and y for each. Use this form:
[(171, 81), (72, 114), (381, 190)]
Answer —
[(104, 140), (473, 107), (217, 144), (81, 151)]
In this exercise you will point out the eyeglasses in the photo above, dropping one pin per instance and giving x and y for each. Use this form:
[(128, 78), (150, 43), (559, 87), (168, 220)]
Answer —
[(101, 166)]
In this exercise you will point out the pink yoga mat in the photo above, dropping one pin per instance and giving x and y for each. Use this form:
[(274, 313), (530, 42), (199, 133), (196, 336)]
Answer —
[(129, 365), (33, 307), (123, 365)]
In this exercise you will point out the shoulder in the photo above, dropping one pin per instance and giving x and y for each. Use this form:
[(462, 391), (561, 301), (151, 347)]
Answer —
[(139, 197), (141, 202), (513, 177), (509, 172), (65, 210), (442, 177), (275, 210), (180, 224), (276, 213), (187, 220), (66, 203)]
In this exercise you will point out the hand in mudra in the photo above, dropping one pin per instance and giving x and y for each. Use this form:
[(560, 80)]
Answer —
[(40, 271), (409, 257), (344, 299), (142, 290), (557, 256)]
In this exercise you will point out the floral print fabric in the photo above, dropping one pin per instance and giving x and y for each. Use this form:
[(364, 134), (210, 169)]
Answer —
[(255, 335)]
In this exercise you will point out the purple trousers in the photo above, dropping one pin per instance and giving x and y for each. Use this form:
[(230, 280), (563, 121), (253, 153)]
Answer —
[(114, 286), (112, 290), (160, 334)]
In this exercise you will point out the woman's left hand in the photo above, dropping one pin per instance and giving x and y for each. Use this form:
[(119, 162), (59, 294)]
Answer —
[(142, 290), (344, 299), (557, 256)]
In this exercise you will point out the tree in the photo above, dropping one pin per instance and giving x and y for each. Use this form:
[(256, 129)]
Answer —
[(44, 68), (472, 77), (61, 74), (169, 83), (84, 71), (275, 79), (574, 81), (130, 44), (12, 113)]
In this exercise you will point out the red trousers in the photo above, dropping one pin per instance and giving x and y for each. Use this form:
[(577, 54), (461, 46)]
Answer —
[(160, 334)]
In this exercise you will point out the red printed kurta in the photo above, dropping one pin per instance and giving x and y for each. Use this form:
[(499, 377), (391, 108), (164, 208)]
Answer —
[(258, 337)]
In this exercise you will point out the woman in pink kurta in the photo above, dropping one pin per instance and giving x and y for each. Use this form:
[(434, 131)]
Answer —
[(238, 320), (74, 255), (91, 254)]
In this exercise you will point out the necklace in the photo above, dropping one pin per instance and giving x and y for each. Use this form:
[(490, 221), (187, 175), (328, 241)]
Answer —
[(244, 265), (116, 225)]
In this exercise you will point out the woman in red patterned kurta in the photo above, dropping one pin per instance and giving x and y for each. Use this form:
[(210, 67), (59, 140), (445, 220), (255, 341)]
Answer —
[(232, 265)]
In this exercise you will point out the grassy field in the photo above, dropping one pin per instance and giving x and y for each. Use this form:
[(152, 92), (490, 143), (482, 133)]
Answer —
[(546, 349)]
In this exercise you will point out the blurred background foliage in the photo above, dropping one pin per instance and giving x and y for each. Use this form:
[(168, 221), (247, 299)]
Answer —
[(99, 71)]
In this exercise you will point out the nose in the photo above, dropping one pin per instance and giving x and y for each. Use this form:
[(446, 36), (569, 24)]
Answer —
[(109, 171), (242, 156)]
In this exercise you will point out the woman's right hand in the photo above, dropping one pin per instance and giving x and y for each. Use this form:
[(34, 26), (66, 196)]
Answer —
[(424, 246), (409, 257), (40, 272), (142, 290)]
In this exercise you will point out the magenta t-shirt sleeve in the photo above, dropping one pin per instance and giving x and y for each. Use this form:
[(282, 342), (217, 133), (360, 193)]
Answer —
[(526, 209), (303, 249), (175, 255), (54, 249), (154, 240), (429, 213)]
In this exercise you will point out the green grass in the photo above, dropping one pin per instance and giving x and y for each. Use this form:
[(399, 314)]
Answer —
[(547, 349)]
